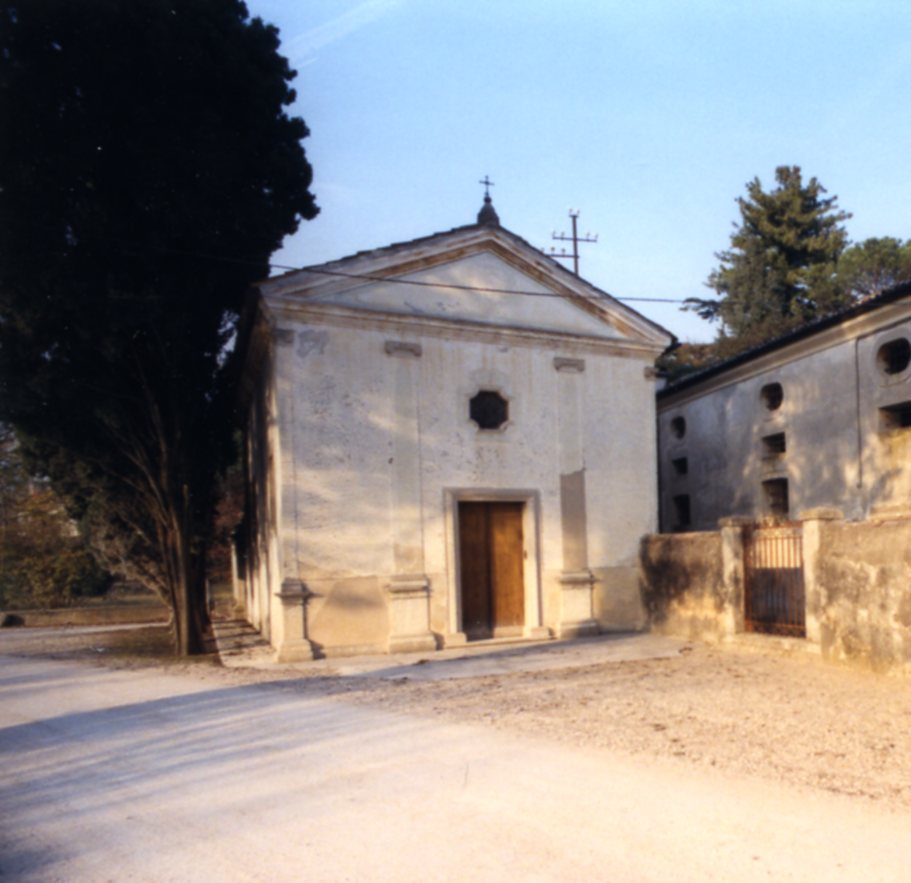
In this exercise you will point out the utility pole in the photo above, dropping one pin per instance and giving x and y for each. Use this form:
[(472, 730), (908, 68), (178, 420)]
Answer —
[(575, 239)]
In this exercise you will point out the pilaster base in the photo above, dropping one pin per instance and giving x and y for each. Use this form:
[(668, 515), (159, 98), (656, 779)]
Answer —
[(576, 613), (294, 647), (583, 629), (538, 633), (409, 614), (412, 643)]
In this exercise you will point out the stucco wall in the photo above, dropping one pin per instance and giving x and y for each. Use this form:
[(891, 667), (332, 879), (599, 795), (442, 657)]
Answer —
[(838, 452), (724, 449), (354, 515)]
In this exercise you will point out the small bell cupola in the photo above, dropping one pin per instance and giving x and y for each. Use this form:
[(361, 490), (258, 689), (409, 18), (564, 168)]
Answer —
[(488, 216)]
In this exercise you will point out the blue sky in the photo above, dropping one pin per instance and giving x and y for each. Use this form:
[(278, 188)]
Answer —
[(649, 117)]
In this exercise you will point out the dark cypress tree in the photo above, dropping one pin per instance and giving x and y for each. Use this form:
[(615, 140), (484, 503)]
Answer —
[(148, 170)]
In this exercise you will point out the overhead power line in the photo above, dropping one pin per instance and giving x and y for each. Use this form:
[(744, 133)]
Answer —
[(369, 277)]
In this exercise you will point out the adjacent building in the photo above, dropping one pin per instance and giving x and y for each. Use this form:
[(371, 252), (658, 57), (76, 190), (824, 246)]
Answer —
[(818, 418)]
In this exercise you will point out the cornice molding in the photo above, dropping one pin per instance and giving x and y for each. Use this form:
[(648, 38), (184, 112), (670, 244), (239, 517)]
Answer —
[(457, 329)]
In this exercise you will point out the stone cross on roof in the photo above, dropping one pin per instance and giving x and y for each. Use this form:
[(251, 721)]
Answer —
[(488, 216)]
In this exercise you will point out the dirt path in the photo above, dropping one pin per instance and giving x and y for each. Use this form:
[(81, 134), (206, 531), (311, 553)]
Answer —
[(185, 773), (785, 718)]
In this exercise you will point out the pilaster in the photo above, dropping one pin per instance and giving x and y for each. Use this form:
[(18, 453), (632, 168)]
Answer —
[(409, 589), (576, 579), (814, 521), (732, 566)]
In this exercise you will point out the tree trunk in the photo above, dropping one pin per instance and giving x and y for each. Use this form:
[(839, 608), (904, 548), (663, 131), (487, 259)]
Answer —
[(191, 618)]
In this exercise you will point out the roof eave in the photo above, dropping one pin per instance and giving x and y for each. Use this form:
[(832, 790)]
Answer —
[(890, 295)]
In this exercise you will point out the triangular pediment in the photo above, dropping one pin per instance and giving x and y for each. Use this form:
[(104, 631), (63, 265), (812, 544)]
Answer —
[(471, 276)]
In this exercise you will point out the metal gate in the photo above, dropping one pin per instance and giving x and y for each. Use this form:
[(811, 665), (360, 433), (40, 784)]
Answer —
[(773, 569)]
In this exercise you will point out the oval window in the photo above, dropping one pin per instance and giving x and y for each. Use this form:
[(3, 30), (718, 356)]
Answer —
[(894, 356), (678, 427)]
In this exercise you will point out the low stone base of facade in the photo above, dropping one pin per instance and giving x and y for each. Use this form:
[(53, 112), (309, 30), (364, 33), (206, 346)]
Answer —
[(538, 633), (412, 643), (533, 633), (295, 651), (337, 651), (583, 629)]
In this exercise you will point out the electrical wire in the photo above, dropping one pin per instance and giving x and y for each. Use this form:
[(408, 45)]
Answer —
[(367, 277), (419, 282)]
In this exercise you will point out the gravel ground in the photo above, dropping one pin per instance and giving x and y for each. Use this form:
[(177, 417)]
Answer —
[(788, 718)]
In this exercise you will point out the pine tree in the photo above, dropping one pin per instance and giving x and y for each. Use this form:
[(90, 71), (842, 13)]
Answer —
[(870, 267), (780, 268)]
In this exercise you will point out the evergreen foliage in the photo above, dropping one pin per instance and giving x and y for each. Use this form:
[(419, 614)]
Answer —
[(687, 358), (148, 170), (870, 267), (780, 268)]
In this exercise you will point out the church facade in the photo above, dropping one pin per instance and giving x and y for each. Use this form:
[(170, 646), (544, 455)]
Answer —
[(446, 440)]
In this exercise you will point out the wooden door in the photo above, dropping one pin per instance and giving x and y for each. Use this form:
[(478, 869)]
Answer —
[(491, 566)]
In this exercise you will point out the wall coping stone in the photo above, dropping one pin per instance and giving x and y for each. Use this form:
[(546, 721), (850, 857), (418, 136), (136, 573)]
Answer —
[(891, 512), (735, 521), (821, 513)]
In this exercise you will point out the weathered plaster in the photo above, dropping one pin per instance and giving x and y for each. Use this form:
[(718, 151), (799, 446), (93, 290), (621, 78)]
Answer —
[(377, 445), (838, 453)]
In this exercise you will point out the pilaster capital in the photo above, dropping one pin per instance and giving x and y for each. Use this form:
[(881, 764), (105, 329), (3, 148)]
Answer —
[(576, 578), (293, 591), (402, 348), (569, 366)]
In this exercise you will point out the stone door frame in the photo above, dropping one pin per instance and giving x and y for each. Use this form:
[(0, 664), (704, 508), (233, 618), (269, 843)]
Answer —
[(531, 540)]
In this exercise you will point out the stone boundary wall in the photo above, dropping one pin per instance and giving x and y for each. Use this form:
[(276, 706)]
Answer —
[(683, 584), (857, 578)]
